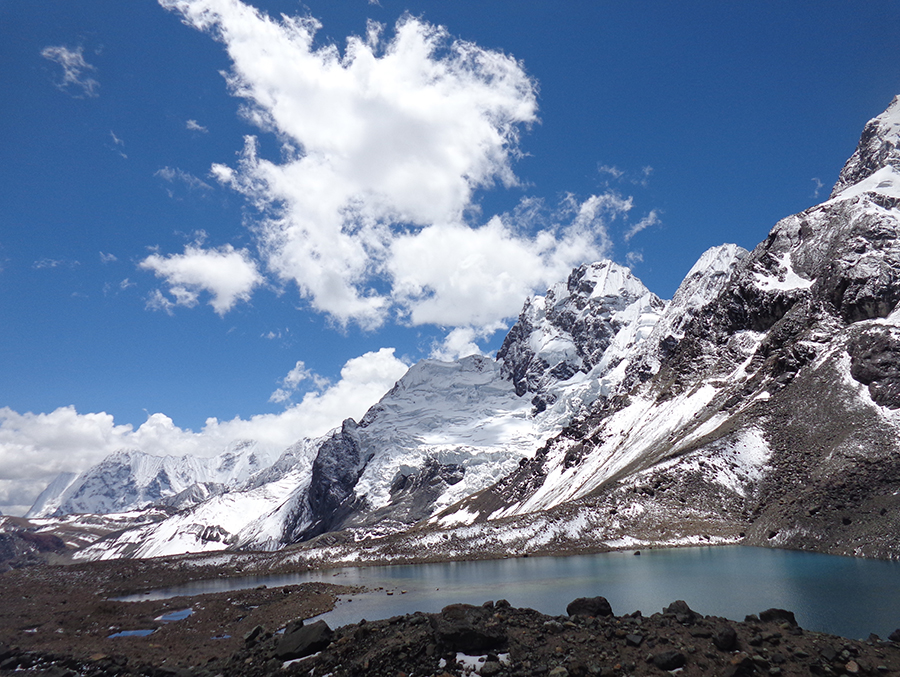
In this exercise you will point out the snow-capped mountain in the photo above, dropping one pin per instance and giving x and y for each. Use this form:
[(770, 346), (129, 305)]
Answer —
[(761, 405), (445, 431), (772, 415), (130, 480)]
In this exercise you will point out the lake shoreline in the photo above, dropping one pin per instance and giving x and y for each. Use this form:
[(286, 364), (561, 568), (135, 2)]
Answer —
[(58, 620), (69, 611)]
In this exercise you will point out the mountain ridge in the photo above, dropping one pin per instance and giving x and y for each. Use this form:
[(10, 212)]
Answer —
[(761, 406)]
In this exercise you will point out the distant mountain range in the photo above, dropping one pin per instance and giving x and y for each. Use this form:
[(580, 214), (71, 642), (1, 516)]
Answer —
[(759, 406)]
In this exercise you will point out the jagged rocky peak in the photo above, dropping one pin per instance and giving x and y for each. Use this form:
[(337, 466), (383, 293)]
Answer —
[(879, 147), (569, 329)]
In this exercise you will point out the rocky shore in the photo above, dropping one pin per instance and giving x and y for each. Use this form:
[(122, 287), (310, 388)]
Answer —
[(61, 622)]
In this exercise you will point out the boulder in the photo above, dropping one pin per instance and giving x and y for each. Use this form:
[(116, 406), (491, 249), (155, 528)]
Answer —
[(681, 611), (303, 640), (589, 606), (469, 629), (669, 660), (725, 638), (770, 615)]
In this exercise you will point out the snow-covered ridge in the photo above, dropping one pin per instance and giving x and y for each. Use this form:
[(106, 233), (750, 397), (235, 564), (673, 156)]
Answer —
[(129, 480), (878, 149), (589, 321), (446, 430)]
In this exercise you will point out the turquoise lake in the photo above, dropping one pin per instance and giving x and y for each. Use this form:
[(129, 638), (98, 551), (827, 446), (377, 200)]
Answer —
[(845, 596)]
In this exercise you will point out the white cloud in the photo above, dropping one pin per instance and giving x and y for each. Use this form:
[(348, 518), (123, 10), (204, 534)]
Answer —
[(652, 219), (195, 126), (75, 69), (108, 258), (459, 276), (34, 448), (461, 342), (369, 209), (293, 379), (228, 274), (43, 264), (818, 186), (172, 175), (389, 136), (613, 171)]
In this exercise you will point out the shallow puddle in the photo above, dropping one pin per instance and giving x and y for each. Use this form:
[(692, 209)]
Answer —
[(172, 616), (133, 633)]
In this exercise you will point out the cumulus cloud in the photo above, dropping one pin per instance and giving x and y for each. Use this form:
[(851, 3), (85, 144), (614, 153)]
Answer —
[(451, 274), (386, 143), (195, 126), (462, 341), (229, 275), (75, 69), (34, 448), (292, 381)]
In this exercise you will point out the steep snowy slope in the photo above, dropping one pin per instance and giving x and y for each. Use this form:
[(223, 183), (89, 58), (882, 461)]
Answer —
[(445, 431), (777, 402), (762, 405), (129, 480)]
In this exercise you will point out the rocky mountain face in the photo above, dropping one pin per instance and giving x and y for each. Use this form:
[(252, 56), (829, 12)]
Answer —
[(761, 405), (772, 416)]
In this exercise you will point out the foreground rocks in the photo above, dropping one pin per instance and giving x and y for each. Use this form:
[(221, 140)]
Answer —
[(496, 639)]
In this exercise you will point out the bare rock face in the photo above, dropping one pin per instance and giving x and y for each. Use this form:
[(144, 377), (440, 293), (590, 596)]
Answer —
[(570, 329), (875, 362)]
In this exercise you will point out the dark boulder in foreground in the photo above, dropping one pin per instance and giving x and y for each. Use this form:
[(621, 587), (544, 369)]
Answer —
[(589, 606), (468, 629), (777, 615), (301, 640)]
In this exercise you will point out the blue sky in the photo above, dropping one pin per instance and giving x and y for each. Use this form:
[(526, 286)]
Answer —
[(401, 200)]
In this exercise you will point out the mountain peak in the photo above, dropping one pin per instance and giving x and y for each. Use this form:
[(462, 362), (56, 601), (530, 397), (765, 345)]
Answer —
[(879, 147), (569, 330)]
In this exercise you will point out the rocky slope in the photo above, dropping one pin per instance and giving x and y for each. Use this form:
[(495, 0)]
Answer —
[(775, 405)]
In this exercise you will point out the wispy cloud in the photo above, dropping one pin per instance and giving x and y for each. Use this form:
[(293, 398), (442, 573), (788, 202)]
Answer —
[(652, 219), (47, 263), (108, 258), (195, 126), (75, 70), (175, 175), (613, 174), (818, 186)]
